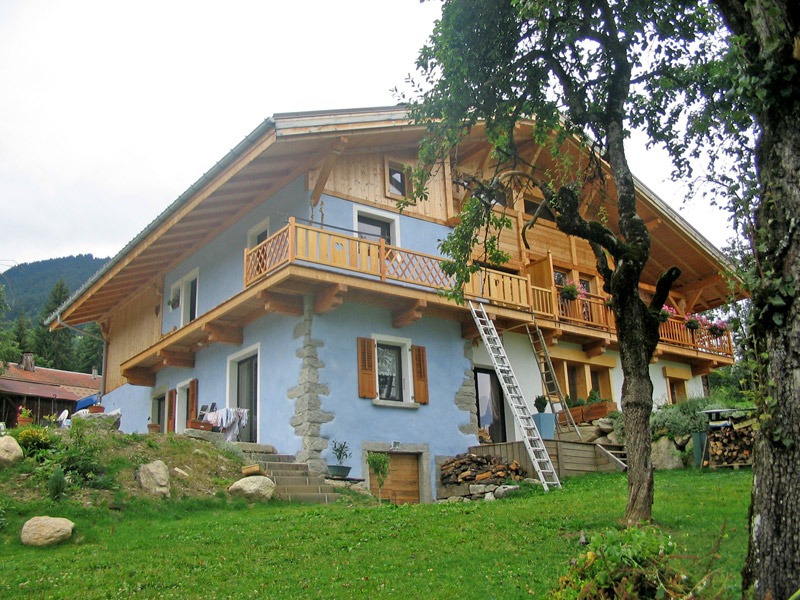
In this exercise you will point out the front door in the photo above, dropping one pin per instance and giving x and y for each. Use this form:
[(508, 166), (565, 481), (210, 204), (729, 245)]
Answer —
[(246, 395)]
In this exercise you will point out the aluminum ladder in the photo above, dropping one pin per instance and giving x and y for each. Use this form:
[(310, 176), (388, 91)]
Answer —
[(522, 413), (550, 386)]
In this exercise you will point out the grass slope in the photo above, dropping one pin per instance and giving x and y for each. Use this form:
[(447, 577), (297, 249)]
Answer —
[(513, 548)]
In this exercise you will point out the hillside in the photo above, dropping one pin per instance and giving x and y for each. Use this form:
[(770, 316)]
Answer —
[(27, 285)]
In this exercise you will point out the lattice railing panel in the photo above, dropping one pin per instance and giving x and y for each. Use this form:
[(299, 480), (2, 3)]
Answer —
[(413, 267), (265, 257)]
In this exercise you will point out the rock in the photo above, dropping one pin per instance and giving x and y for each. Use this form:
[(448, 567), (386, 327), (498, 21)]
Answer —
[(504, 490), (605, 425), (664, 455), (154, 478), (590, 433), (255, 487), (109, 421), (532, 481), (206, 436), (613, 438), (489, 497), (46, 531), (180, 472), (477, 489), (602, 440), (10, 451)]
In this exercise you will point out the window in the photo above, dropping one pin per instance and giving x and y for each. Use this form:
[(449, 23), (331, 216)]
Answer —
[(531, 206), (391, 370), (374, 229), (677, 390), (258, 233), (560, 277), (396, 180), (578, 379), (243, 385), (183, 297)]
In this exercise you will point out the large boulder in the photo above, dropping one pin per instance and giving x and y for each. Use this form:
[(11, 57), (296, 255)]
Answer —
[(255, 487), (605, 425), (590, 433), (46, 531), (10, 451), (107, 421), (154, 478), (664, 455)]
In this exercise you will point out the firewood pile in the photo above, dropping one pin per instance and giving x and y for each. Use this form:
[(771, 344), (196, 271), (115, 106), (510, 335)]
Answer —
[(731, 445), (471, 468)]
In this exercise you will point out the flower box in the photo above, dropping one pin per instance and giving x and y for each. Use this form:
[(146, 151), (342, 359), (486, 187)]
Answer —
[(198, 424), (153, 428), (598, 410), (24, 421), (576, 412), (97, 408)]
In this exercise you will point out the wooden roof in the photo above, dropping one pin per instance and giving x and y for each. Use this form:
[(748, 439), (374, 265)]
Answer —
[(290, 144)]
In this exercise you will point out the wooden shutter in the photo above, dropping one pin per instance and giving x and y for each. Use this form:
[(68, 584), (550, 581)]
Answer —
[(420, 368), (171, 409), (367, 379), (191, 409)]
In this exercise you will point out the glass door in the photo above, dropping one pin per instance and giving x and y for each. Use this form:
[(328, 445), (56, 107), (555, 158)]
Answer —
[(247, 395)]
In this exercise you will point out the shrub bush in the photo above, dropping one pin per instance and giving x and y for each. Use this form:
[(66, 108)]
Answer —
[(675, 420), (56, 483), (34, 438), (633, 563)]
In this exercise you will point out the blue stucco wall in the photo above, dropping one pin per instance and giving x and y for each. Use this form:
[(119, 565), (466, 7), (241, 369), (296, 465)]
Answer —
[(134, 404), (357, 420)]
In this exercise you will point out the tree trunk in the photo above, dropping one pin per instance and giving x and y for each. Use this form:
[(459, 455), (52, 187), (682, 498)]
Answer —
[(773, 559)]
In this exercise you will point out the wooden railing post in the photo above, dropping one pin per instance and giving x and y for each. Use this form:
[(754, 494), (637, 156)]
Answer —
[(246, 268), (291, 239), (382, 257)]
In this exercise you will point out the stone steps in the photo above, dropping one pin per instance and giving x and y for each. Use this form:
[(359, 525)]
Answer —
[(294, 482)]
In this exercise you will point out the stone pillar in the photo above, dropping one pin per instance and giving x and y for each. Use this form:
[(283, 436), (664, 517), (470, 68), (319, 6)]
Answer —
[(466, 398), (308, 413)]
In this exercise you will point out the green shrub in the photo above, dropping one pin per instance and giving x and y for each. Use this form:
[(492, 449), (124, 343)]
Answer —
[(34, 438), (676, 420), (594, 398), (56, 483), (540, 403), (633, 563), (232, 450), (379, 463)]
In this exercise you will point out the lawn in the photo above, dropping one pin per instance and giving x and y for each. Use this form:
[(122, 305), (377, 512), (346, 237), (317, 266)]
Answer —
[(512, 548)]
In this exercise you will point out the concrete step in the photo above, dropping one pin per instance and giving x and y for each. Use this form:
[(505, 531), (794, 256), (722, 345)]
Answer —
[(296, 480), (311, 498), (251, 447), (287, 490)]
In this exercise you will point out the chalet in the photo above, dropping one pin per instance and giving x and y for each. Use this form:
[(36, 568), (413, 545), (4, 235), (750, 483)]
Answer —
[(44, 391), (286, 282)]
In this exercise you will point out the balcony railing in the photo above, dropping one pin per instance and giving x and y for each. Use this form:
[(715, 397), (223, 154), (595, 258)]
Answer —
[(384, 262), (380, 260)]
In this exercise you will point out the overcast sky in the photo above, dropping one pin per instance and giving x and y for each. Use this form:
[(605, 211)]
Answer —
[(109, 110)]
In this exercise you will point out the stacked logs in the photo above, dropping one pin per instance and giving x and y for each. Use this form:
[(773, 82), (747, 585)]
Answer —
[(731, 445), (471, 468)]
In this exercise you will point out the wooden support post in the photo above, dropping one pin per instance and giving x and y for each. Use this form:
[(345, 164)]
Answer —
[(173, 358), (409, 314), (330, 298), (223, 334), (282, 303), (595, 348), (140, 376)]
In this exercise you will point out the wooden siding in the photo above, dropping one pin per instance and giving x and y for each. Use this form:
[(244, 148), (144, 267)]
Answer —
[(132, 328), (362, 177)]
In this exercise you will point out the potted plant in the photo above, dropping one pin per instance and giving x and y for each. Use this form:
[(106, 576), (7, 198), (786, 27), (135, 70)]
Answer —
[(97, 408), (692, 322), (570, 291), (717, 328), (341, 451), (153, 428), (545, 422), (597, 407), (24, 416), (665, 313), (575, 408)]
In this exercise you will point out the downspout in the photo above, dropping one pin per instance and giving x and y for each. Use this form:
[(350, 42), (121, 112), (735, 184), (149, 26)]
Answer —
[(97, 337)]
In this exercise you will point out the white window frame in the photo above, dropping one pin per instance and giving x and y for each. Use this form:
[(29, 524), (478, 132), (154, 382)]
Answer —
[(405, 367), (381, 215), (253, 232), (181, 289), (232, 379)]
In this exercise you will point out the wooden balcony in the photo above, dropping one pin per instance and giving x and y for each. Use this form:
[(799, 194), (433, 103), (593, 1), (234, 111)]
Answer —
[(299, 244), (305, 245)]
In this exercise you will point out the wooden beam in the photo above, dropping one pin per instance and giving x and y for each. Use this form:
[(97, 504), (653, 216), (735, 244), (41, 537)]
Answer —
[(469, 331), (326, 168), (330, 298), (653, 224), (704, 368), (656, 355), (224, 334), (596, 348), (411, 313), (699, 285), (140, 376), (551, 337), (282, 304), (173, 358)]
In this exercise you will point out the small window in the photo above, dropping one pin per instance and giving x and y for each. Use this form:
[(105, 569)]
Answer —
[(183, 296), (560, 277), (532, 206), (677, 390), (374, 229), (258, 233), (397, 180), (390, 372)]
